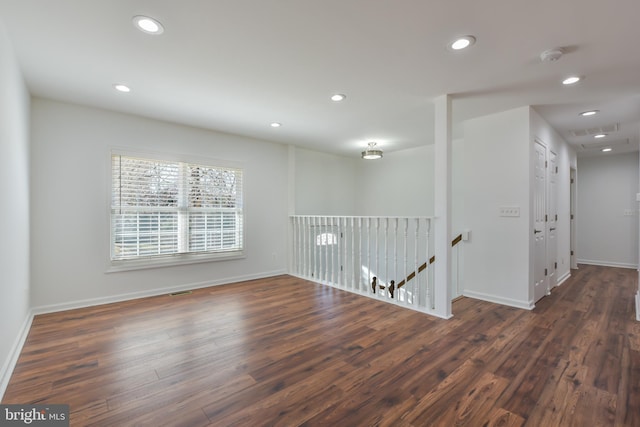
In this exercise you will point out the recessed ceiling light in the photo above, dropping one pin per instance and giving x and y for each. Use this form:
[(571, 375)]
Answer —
[(589, 113), (606, 150), (600, 135), (148, 25), (276, 125), (462, 43), (338, 97), (571, 80), (122, 88)]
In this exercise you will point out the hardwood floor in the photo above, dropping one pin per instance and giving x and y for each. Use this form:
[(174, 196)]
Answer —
[(286, 352)]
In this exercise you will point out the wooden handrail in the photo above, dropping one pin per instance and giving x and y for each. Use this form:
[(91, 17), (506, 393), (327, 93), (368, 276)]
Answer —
[(403, 282)]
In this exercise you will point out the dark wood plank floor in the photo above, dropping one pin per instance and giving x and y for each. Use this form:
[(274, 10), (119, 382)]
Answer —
[(287, 352)]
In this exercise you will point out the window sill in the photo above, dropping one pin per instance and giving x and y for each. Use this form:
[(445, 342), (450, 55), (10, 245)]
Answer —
[(170, 261)]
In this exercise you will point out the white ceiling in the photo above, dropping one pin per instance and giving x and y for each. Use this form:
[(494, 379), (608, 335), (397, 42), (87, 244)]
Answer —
[(238, 65)]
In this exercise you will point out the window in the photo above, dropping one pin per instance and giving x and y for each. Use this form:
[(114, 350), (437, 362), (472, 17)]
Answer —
[(162, 209), (326, 239)]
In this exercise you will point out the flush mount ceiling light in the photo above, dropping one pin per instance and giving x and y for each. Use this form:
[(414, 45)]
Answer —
[(589, 113), (276, 125), (606, 150), (122, 88), (600, 135), (571, 80), (462, 43), (338, 97), (148, 25), (371, 153)]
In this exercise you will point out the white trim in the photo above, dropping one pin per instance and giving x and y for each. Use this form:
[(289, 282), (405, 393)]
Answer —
[(500, 300), (638, 306), (12, 359), (608, 263), (150, 293), (171, 260), (564, 278)]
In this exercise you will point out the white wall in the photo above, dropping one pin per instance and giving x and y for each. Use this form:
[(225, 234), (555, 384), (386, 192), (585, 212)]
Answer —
[(70, 204), (496, 173), (325, 184), (14, 215), (607, 187), (399, 184)]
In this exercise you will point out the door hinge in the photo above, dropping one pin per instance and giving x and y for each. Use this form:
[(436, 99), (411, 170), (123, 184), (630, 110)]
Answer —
[(545, 271), (546, 218), (545, 164), (555, 265), (572, 180), (571, 253), (571, 216), (556, 217), (556, 169)]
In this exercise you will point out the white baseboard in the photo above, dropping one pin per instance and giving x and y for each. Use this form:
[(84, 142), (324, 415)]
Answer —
[(527, 305), (607, 263), (10, 364), (638, 306), (564, 278), (149, 293)]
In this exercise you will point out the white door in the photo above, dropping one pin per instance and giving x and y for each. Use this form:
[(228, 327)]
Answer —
[(539, 225), (552, 223)]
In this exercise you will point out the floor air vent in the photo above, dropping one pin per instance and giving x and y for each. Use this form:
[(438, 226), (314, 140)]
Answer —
[(175, 294)]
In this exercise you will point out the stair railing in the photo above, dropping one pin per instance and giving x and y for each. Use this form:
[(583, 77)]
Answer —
[(347, 252)]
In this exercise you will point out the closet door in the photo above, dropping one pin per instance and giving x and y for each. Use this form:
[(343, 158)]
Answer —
[(540, 286)]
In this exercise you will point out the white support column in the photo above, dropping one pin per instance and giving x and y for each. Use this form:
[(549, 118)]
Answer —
[(291, 206), (638, 293), (442, 225)]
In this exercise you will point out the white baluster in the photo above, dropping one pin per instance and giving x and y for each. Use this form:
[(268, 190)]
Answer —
[(332, 243), (416, 278), (395, 253), (307, 247), (342, 249), (386, 253), (357, 271), (313, 237), (429, 299), (369, 275), (377, 249), (325, 251), (300, 262), (406, 235), (342, 253), (353, 255), (293, 223), (303, 236), (300, 247)]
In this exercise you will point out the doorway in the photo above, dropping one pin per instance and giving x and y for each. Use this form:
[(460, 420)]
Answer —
[(540, 282), (573, 261)]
